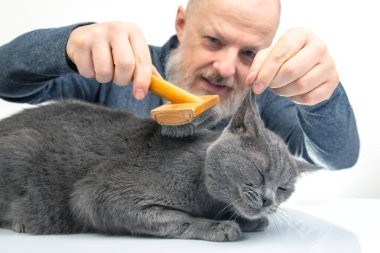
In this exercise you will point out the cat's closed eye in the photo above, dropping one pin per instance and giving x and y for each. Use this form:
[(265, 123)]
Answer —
[(283, 189)]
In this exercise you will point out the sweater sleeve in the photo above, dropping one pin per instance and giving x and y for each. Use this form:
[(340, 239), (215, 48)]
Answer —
[(325, 134), (34, 68)]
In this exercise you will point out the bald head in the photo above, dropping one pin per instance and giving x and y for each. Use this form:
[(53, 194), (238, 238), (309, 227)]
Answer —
[(193, 6)]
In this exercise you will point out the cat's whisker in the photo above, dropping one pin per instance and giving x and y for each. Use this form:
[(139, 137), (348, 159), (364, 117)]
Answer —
[(289, 220), (226, 209), (280, 214), (282, 220), (274, 219), (234, 214), (287, 216), (280, 217)]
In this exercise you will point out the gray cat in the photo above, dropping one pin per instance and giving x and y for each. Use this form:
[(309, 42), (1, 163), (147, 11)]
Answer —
[(71, 167)]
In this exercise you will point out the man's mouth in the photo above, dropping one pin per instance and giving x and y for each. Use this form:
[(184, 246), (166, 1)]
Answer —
[(213, 88)]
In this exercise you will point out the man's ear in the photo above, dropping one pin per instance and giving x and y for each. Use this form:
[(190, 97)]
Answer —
[(180, 22)]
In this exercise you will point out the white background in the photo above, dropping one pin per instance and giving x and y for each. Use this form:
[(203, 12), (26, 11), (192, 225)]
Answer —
[(347, 27)]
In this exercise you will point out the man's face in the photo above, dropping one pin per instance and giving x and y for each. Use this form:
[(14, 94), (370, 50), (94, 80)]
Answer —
[(218, 42)]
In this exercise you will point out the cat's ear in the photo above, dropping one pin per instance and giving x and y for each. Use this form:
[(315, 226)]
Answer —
[(306, 167), (247, 118)]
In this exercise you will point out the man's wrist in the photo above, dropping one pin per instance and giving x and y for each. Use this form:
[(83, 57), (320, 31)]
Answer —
[(69, 62)]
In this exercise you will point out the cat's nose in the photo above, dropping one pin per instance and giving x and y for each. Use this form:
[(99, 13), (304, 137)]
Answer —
[(266, 201)]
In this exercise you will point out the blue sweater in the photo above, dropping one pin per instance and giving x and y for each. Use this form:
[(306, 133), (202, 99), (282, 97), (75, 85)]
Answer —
[(34, 68)]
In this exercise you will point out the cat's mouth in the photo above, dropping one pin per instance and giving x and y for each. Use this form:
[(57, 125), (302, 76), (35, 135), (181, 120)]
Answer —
[(253, 206), (250, 212)]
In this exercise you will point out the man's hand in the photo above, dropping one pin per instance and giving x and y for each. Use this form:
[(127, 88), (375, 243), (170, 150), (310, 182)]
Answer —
[(112, 51), (298, 66)]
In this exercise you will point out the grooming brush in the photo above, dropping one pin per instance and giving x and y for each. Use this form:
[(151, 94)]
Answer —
[(186, 113)]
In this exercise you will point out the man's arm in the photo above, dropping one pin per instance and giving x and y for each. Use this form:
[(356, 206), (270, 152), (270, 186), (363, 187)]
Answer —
[(74, 61), (325, 134), (311, 111), (34, 68)]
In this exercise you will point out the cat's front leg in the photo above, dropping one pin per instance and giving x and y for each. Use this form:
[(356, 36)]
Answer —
[(163, 222), (256, 225)]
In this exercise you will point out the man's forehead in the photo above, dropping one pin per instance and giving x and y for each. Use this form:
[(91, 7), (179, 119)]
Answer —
[(259, 16), (252, 28)]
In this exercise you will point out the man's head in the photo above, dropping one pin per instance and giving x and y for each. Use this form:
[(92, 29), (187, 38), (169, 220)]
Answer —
[(218, 40)]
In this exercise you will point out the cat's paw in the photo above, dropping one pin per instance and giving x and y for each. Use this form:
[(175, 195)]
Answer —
[(257, 225), (19, 228), (224, 231)]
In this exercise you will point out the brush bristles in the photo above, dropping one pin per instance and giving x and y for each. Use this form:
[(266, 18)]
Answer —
[(202, 121)]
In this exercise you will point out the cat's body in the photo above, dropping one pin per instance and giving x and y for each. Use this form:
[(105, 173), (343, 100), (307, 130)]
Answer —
[(73, 167)]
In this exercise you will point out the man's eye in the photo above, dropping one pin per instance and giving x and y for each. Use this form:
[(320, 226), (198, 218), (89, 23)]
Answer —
[(213, 40), (249, 53), (247, 56)]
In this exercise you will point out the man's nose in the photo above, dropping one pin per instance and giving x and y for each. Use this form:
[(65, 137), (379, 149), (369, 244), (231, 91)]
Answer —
[(225, 64)]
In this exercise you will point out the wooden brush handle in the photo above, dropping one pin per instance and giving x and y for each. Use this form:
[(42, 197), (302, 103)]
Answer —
[(171, 92)]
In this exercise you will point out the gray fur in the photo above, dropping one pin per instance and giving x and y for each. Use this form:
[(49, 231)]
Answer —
[(205, 119), (71, 167)]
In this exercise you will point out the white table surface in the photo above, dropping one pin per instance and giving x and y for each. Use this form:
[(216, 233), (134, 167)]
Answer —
[(349, 225)]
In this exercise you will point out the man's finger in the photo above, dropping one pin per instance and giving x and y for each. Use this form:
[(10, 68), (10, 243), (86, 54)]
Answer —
[(84, 63), (297, 66), (287, 46), (255, 69), (143, 68), (124, 60), (103, 63), (320, 93), (304, 84)]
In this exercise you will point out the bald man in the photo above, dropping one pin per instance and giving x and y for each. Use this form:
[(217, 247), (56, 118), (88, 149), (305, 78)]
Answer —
[(220, 47)]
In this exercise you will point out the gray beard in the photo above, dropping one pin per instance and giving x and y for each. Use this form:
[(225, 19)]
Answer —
[(176, 73)]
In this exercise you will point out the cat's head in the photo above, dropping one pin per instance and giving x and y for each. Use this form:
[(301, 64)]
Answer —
[(249, 166)]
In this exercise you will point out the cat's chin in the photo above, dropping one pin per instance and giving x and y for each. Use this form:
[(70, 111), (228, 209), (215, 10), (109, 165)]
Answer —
[(249, 212)]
